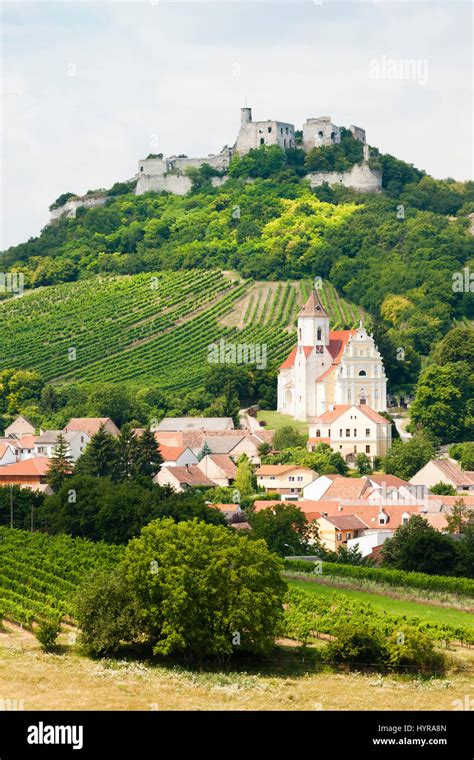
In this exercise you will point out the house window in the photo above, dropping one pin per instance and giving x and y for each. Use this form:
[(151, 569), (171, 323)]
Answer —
[(293, 490), (329, 433), (348, 536), (300, 478), (281, 130), (141, 168), (319, 349), (318, 434), (291, 478), (286, 130), (382, 520), (367, 449), (262, 141), (269, 129), (319, 334), (355, 433), (340, 432), (362, 373), (348, 433), (339, 536), (272, 477), (320, 134), (367, 432)]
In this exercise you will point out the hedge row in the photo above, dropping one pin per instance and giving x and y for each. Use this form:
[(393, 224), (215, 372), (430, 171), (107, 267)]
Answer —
[(448, 584)]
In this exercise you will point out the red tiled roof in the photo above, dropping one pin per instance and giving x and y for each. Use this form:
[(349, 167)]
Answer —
[(89, 425), (27, 442), (36, 466), (346, 488), (338, 340), (451, 469), (171, 453), (313, 307), (279, 469), (388, 481), (189, 475)]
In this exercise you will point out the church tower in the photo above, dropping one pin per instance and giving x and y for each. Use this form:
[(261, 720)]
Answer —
[(313, 323)]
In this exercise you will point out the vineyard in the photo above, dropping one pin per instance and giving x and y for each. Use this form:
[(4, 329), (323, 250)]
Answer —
[(277, 304), (39, 574), (155, 327), (308, 615)]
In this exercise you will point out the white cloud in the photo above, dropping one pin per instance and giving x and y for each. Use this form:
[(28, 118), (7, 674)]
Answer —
[(167, 69)]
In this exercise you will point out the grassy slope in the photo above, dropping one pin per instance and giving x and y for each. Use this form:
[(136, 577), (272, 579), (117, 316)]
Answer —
[(427, 612), (275, 421), (71, 682)]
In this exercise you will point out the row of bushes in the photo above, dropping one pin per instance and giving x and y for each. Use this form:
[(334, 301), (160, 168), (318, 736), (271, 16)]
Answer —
[(448, 584)]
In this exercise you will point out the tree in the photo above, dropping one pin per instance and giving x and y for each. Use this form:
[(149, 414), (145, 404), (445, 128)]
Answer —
[(456, 346), (459, 518), (443, 489), (419, 547), (244, 481), (190, 588), (441, 404), (101, 456), (60, 464), (127, 445), (284, 527), (288, 437), (465, 553), (464, 453), (405, 459), (263, 449), (205, 451), (363, 465), (148, 459), (107, 613)]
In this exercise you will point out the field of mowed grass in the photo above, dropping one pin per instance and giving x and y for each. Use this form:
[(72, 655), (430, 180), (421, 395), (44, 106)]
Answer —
[(69, 681), (429, 613), (275, 421)]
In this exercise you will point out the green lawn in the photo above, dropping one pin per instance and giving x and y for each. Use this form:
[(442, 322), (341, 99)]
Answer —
[(275, 421), (428, 612)]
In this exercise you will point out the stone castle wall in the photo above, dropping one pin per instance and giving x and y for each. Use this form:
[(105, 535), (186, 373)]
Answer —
[(361, 177), (69, 208)]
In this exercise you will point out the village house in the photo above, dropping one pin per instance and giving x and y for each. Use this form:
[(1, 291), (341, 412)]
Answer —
[(46, 443), (8, 454), (219, 468), (31, 473), (179, 424), (177, 456), (91, 425), (26, 447), (19, 428), (289, 480), (447, 471), (351, 430), (234, 443), (182, 478)]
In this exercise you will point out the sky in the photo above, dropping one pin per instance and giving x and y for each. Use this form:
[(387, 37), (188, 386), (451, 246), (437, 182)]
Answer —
[(89, 88)]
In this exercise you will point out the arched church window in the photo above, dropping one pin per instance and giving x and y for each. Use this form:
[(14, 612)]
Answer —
[(362, 373), (319, 334)]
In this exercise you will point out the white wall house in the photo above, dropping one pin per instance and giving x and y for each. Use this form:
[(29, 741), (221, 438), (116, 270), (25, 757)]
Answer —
[(444, 471), (351, 430), (46, 443)]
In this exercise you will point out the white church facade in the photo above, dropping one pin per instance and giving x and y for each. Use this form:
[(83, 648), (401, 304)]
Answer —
[(330, 367)]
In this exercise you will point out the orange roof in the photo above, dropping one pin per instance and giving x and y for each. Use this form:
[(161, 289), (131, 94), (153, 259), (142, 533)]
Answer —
[(27, 442), (319, 440), (36, 466), (330, 415), (338, 340), (89, 425), (346, 488), (171, 453), (388, 481), (4, 448), (279, 469), (166, 438)]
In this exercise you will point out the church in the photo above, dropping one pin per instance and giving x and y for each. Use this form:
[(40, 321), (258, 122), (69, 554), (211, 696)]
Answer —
[(330, 367)]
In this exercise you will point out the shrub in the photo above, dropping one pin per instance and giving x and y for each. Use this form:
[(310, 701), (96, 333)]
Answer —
[(47, 634), (414, 651), (357, 645)]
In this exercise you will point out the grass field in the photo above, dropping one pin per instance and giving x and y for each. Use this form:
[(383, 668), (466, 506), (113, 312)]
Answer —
[(68, 681), (275, 421), (427, 612)]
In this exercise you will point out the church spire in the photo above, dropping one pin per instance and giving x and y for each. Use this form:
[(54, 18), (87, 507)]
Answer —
[(313, 307)]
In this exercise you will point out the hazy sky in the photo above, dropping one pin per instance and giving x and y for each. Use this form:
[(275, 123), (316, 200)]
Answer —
[(89, 88)]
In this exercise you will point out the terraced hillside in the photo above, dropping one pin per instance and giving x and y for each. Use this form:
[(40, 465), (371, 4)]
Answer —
[(149, 326)]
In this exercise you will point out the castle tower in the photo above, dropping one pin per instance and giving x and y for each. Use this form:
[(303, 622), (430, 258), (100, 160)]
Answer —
[(313, 323), (245, 116)]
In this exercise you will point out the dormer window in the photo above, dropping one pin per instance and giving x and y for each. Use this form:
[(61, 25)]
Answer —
[(382, 519)]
